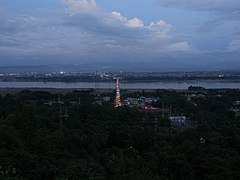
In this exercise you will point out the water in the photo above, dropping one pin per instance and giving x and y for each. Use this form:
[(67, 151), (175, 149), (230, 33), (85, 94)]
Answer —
[(139, 85)]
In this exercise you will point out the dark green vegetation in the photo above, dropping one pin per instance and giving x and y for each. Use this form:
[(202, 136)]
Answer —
[(101, 142)]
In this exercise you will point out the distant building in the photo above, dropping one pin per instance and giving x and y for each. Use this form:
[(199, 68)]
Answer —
[(139, 102), (178, 120), (106, 99), (236, 103), (151, 100), (236, 106), (155, 110), (202, 140)]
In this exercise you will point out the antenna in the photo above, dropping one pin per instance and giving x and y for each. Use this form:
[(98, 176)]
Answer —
[(66, 116), (155, 124), (163, 109), (60, 110), (118, 102), (170, 114)]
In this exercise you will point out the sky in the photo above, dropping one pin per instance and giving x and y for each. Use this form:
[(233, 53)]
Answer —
[(169, 34)]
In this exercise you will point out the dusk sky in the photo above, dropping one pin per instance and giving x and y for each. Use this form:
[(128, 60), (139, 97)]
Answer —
[(186, 33)]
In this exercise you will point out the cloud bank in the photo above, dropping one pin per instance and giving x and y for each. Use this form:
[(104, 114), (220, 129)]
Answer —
[(223, 6), (85, 33)]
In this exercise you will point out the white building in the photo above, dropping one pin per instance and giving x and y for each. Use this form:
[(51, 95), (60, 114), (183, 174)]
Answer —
[(178, 120)]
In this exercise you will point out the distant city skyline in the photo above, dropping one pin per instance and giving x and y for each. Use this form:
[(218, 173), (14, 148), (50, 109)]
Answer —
[(157, 34)]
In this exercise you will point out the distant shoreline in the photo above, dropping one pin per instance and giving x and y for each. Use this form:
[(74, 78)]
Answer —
[(4, 91), (15, 90)]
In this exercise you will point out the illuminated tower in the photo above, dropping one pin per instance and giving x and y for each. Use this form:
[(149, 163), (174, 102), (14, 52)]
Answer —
[(118, 99)]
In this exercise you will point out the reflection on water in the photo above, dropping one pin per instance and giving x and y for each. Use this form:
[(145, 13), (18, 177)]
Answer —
[(141, 85)]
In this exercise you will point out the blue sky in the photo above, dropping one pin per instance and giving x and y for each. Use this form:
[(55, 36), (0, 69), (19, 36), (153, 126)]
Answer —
[(187, 33)]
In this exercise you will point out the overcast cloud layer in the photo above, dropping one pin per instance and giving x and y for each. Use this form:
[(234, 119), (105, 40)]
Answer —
[(80, 32), (223, 6)]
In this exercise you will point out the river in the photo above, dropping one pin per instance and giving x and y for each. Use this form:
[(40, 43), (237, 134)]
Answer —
[(135, 85)]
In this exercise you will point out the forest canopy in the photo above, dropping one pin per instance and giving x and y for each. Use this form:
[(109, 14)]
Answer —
[(98, 141)]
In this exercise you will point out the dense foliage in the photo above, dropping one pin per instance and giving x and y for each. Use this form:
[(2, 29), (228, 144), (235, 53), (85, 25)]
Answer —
[(101, 142)]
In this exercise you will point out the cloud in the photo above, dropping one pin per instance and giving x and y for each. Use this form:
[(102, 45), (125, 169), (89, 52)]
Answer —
[(133, 23), (81, 6), (223, 6), (161, 27), (118, 16), (87, 34), (211, 25), (178, 46), (217, 22), (234, 45)]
